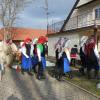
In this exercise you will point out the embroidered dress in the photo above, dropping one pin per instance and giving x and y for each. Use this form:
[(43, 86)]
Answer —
[(26, 59), (26, 62)]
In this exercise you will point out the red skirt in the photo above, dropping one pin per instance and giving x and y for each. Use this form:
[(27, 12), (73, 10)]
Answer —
[(73, 56)]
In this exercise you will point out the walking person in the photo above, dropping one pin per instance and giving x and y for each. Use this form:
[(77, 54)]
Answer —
[(34, 55), (26, 57), (92, 56), (74, 52), (41, 57), (83, 55), (64, 60)]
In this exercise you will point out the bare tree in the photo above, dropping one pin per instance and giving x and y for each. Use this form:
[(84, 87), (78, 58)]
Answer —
[(9, 11)]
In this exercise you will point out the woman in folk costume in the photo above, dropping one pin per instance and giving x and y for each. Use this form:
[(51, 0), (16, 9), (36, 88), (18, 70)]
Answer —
[(83, 55), (64, 59), (26, 56), (41, 56), (92, 56), (34, 54), (58, 50), (74, 52)]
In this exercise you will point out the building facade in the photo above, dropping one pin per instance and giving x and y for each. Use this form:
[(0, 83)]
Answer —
[(84, 21), (20, 34)]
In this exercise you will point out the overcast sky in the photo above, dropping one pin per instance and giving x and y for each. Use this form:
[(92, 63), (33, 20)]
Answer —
[(34, 16)]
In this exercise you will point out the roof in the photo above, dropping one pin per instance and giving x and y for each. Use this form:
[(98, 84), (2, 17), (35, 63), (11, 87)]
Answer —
[(84, 2), (22, 33)]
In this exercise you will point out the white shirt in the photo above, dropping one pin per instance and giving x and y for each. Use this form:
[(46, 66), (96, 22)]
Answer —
[(96, 51), (23, 50)]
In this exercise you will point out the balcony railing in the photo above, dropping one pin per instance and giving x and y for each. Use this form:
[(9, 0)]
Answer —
[(54, 28), (85, 20), (80, 21)]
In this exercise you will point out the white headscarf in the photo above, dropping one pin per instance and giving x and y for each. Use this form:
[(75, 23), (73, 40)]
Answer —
[(65, 48), (58, 43), (83, 40), (34, 41)]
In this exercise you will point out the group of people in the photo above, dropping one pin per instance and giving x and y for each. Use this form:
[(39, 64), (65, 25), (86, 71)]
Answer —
[(33, 54), (66, 57)]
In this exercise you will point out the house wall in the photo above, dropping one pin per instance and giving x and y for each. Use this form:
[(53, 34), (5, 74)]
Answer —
[(83, 17), (74, 38), (90, 8)]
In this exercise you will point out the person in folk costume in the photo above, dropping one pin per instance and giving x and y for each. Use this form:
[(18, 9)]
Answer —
[(92, 56), (26, 56), (57, 48), (83, 55), (34, 54), (74, 52), (41, 56), (58, 61), (64, 59)]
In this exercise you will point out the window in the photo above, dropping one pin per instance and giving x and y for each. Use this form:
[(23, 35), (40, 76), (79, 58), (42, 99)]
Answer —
[(97, 13)]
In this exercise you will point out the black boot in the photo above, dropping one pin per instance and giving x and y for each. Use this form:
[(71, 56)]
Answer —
[(40, 71), (70, 75), (96, 74)]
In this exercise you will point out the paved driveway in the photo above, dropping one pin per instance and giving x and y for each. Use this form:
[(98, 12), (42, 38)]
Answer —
[(16, 86)]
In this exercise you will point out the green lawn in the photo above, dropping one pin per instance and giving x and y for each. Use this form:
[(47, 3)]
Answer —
[(82, 81)]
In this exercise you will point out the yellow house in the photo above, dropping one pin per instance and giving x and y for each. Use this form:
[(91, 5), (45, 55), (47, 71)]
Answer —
[(83, 20)]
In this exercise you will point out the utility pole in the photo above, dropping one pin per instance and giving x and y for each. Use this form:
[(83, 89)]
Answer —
[(95, 31), (47, 13)]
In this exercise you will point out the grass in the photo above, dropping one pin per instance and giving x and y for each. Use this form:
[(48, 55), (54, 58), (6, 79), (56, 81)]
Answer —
[(82, 81)]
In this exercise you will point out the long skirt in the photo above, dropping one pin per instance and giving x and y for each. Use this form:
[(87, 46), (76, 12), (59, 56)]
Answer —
[(66, 65), (26, 63), (34, 60), (43, 62)]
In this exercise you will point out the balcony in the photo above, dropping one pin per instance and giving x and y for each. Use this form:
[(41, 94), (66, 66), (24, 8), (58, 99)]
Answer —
[(81, 21)]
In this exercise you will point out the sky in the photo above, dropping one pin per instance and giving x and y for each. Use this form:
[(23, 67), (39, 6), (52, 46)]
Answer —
[(34, 16)]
